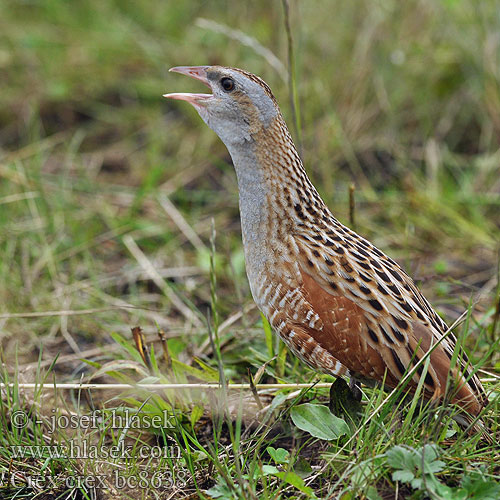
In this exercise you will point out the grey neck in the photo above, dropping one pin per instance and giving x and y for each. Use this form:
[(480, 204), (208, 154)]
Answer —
[(254, 211), (253, 190)]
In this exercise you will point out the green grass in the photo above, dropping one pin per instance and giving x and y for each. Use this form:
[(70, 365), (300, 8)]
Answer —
[(107, 196)]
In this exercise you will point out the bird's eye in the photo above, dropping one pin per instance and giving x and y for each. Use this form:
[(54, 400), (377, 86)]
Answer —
[(227, 84)]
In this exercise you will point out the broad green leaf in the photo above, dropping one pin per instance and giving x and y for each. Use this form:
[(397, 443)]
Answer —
[(403, 475), (302, 467), (269, 469), (372, 493), (318, 421), (479, 488), (365, 472), (175, 347), (222, 491), (399, 457), (280, 455), (289, 477), (417, 483), (430, 454), (278, 400), (444, 492), (296, 481)]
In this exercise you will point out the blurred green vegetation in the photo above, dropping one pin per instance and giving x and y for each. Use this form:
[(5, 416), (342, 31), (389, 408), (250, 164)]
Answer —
[(107, 190), (401, 99)]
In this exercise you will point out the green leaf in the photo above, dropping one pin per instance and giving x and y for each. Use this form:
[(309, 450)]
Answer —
[(444, 492), (94, 364), (152, 359), (450, 433), (479, 488), (417, 483), (211, 372), (175, 347), (365, 472), (318, 421), (409, 460), (221, 490), (128, 346), (268, 336), (281, 360), (280, 455), (430, 453), (413, 466), (269, 470), (372, 493), (116, 368), (205, 376), (296, 481), (278, 400), (302, 467), (288, 477), (399, 457), (149, 380), (432, 467), (196, 414), (403, 475)]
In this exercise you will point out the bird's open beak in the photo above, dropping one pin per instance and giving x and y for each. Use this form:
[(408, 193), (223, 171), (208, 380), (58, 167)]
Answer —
[(198, 72)]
